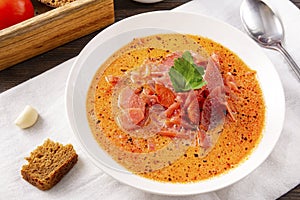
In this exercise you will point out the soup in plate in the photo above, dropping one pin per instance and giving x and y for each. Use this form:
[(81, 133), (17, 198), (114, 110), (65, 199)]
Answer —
[(176, 108)]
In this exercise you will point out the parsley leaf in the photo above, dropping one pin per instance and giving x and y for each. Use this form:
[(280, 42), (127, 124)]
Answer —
[(185, 75)]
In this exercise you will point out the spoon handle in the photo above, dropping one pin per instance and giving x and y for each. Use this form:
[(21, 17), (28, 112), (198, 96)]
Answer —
[(289, 58)]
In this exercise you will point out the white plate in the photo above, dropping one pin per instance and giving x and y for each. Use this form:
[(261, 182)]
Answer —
[(115, 36)]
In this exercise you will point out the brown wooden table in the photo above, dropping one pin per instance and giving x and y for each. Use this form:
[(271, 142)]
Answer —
[(123, 8)]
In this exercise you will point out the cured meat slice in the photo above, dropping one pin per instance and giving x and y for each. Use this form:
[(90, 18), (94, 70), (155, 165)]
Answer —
[(169, 61), (125, 122), (213, 75), (129, 99), (193, 112), (214, 109), (134, 109)]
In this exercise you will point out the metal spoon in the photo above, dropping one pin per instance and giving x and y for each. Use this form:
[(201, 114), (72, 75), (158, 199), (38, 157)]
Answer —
[(264, 27)]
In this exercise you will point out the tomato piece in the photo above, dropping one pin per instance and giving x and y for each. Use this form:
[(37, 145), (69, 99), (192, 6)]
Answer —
[(170, 111), (136, 115), (137, 102), (167, 134), (174, 121), (14, 11), (165, 96), (171, 134)]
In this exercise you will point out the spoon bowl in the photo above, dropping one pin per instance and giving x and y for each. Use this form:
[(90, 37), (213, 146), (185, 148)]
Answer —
[(263, 25)]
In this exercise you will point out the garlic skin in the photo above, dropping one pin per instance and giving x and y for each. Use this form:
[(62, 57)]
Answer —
[(27, 118)]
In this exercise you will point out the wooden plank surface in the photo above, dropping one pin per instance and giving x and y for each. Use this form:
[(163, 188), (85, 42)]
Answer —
[(123, 8), (52, 29)]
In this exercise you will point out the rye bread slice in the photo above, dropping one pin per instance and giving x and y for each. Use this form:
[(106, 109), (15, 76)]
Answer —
[(48, 164)]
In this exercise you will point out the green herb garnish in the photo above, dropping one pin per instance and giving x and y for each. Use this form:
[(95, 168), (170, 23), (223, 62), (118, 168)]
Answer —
[(185, 74)]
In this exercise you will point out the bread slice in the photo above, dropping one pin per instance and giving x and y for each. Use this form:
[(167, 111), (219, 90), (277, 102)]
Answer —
[(48, 164)]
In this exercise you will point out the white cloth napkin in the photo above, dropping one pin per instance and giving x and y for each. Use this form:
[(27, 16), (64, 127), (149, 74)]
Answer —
[(277, 175)]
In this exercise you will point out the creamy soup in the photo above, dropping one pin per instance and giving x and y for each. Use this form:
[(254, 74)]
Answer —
[(176, 108)]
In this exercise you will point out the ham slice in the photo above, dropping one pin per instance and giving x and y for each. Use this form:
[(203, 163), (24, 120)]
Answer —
[(134, 109), (125, 122), (129, 99), (213, 75), (169, 60), (214, 109), (193, 112)]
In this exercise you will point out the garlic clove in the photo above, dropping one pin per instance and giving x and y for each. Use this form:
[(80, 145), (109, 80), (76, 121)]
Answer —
[(27, 118)]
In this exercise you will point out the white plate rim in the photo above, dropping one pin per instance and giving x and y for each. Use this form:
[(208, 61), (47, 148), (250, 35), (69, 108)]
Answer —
[(178, 189)]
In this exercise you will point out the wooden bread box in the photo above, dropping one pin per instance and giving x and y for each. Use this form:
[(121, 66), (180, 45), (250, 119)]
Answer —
[(53, 28)]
